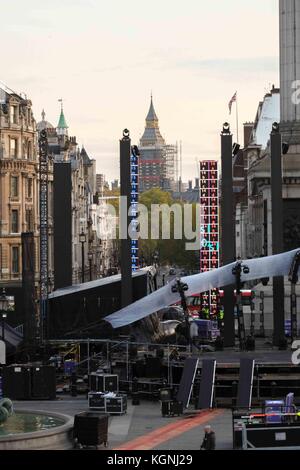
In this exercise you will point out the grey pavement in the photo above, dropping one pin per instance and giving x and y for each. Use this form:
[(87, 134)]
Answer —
[(139, 421)]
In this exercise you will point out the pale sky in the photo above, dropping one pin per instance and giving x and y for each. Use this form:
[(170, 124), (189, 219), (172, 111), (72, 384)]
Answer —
[(103, 57)]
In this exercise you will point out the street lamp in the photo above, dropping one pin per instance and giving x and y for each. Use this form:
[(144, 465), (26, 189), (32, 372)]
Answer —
[(90, 256), (82, 240), (3, 309)]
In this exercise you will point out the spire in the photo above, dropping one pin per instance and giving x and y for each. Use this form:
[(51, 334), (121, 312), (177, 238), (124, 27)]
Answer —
[(151, 116), (43, 115), (62, 126), (84, 155), (152, 135)]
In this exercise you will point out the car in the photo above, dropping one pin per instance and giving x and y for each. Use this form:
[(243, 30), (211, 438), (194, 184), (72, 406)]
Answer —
[(172, 272)]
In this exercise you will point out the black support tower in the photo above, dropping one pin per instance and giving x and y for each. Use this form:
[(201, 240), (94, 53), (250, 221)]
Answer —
[(62, 191), (28, 272), (227, 230), (277, 230), (125, 181)]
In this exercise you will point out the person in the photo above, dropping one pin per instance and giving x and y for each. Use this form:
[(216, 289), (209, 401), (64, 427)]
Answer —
[(209, 440)]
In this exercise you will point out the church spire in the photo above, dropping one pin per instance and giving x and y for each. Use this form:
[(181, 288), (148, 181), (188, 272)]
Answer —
[(62, 127)]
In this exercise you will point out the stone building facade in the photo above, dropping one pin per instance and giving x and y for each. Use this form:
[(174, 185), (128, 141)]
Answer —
[(18, 183)]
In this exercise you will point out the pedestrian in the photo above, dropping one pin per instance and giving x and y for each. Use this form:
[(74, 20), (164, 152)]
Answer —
[(209, 440)]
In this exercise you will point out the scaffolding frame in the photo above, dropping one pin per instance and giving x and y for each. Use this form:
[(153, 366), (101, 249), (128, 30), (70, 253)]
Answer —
[(44, 238)]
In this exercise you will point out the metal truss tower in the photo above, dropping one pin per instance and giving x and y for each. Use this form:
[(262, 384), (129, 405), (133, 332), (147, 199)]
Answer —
[(44, 239)]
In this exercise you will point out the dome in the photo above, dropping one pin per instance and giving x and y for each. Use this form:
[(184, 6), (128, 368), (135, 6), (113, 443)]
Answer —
[(43, 124)]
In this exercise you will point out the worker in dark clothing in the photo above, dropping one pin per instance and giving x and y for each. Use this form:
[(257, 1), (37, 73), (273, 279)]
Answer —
[(209, 440)]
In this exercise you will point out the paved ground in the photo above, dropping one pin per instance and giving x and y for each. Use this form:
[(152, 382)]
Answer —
[(145, 423)]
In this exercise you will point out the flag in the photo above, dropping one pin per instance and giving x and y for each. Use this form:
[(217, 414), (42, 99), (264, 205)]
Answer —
[(233, 100)]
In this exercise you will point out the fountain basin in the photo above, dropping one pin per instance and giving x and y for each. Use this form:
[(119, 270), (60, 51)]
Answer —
[(36, 430)]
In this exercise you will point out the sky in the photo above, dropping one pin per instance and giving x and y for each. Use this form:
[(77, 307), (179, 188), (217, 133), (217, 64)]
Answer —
[(104, 58)]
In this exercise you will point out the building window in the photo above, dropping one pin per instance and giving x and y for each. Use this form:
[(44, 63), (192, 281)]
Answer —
[(14, 186), (13, 114), (29, 187), (15, 260), (14, 221), (13, 148), (29, 150), (29, 220)]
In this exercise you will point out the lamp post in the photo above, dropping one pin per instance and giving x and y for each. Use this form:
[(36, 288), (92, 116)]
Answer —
[(90, 256), (82, 239), (3, 309)]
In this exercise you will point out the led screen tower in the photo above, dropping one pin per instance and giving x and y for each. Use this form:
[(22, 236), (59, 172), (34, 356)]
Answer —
[(209, 227), (134, 195)]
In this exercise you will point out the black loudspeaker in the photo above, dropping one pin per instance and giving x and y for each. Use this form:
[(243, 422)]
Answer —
[(104, 382), (29, 382), (43, 382), (171, 408), (17, 382)]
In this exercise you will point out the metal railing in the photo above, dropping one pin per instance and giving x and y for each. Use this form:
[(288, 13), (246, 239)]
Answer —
[(104, 359)]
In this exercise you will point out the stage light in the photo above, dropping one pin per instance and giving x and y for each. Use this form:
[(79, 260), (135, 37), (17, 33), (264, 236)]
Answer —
[(226, 128), (235, 149), (265, 281), (285, 148)]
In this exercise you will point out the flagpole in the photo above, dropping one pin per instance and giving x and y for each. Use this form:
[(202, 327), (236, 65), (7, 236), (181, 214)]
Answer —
[(237, 119)]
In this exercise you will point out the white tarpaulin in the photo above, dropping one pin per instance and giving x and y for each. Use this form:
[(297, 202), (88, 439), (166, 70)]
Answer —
[(269, 266)]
